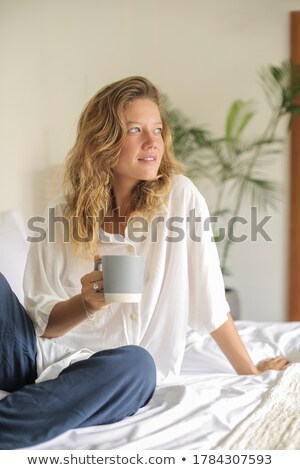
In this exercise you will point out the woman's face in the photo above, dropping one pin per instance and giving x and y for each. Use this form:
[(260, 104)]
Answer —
[(143, 146)]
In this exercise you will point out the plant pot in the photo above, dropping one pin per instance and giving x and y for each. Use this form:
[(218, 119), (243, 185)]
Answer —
[(234, 302)]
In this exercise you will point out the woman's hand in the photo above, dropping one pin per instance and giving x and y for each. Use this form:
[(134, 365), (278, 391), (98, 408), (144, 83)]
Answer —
[(92, 287), (67, 314), (229, 341), (276, 363)]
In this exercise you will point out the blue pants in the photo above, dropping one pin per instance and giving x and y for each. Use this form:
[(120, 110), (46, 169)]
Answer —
[(105, 388)]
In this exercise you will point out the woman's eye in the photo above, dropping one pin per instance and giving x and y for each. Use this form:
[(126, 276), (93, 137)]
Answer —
[(134, 130), (158, 130)]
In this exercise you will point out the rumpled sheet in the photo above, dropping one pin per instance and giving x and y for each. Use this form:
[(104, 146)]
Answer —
[(200, 408), (275, 423)]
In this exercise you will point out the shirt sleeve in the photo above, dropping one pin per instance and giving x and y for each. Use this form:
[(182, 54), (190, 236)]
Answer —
[(208, 307), (48, 266)]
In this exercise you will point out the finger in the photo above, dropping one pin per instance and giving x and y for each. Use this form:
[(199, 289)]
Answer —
[(275, 360), (280, 358), (279, 364), (91, 288), (94, 276), (100, 299), (95, 299), (98, 286), (283, 362)]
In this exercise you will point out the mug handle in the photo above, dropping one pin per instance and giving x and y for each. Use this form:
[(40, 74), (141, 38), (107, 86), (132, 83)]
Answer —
[(98, 267)]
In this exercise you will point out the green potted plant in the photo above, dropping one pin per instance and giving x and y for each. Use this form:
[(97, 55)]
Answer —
[(232, 162)]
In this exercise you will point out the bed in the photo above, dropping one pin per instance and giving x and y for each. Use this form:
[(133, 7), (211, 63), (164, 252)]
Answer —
[(208, 405), (205, 405)]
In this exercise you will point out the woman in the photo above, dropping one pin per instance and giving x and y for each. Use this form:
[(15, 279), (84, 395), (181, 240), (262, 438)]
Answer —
[(93, 362)]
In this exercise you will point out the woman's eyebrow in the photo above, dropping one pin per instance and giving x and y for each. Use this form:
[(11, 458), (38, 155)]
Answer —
[(137, 122)]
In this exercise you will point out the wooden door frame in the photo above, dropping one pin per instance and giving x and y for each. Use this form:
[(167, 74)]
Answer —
[(294, 216)]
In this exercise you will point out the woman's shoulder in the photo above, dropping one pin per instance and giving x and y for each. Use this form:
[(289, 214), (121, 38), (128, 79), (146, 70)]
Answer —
[(57, 205), (184, 187)]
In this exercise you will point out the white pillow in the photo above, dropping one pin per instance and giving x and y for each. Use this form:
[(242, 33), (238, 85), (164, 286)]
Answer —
[(13, 250)]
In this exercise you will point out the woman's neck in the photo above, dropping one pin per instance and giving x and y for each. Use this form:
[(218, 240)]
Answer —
[(122, 198), (116, 221), (121, 205)]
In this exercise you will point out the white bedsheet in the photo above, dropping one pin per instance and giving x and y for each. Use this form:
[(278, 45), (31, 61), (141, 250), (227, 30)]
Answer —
[(203, 405), (275, 422)]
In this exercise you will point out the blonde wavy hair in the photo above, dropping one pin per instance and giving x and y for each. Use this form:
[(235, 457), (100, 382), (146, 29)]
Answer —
[(89, 169)]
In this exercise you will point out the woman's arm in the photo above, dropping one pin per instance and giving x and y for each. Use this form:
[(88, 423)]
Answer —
[(69, 313), (229, 341), (64, 316)]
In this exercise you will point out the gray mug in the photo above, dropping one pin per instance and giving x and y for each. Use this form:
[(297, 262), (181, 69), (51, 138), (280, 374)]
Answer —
[(123, 277)]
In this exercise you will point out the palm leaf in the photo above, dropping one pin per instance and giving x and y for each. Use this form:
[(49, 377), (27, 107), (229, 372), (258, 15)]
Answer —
[(231, 119), (282, 87), (263, 193), (238, 117)]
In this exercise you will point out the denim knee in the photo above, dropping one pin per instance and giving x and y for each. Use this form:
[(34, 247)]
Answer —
[(17, 341), (140, 364), (4, 285), (9, 306), (139, 358), (5, 297)]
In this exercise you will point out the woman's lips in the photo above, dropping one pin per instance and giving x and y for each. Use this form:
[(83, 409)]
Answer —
[(150, 158)]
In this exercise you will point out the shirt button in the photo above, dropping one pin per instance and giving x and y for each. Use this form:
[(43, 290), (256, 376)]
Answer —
[(133, 316), (131, 249)]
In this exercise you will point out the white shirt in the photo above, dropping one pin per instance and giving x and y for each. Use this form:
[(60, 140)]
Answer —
[(183, 286)]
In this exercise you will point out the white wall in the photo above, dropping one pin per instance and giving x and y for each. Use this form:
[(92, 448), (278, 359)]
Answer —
[(202, 53)]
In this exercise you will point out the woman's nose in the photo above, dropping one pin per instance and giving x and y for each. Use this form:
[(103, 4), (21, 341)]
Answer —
[(149, 141)]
